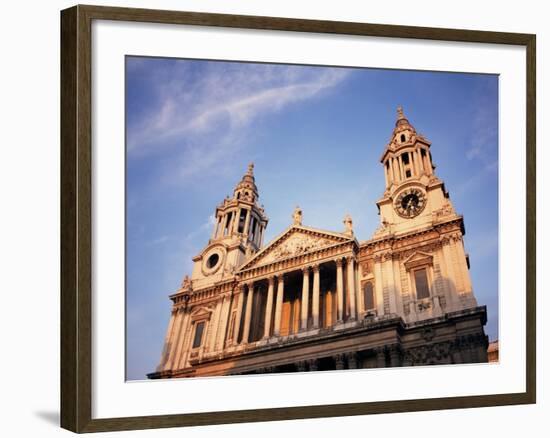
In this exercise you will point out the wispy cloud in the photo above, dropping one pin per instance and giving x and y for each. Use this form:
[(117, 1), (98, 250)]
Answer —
[(483, 148), (484, 132), (202, 111)]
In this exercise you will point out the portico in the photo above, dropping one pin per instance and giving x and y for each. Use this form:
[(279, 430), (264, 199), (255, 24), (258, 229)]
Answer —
[(301, 299)]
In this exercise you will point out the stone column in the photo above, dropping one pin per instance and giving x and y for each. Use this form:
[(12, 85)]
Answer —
[(420, 162), (185, 342), (305, 298), (352, 360), (401, 170), (378, 290), (386, 176), (395, 167), (313, 364), (416, 162), (339, 361), (351, 286), (380, 357), (395, 354), (211, 341), (279, 305), (215, 232), (236, 220), (315, 306), (237, 329), (224, 321), (412, 164), (168, 339), (428, 166), (246, 222), (340, 290), (268, 308), (248, 312), (185, 333)]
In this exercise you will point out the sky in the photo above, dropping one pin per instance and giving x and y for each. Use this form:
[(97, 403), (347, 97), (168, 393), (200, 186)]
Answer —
[(315, 135)]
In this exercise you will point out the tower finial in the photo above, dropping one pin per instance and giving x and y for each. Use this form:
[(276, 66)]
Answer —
[(251, 169), (400, 112)]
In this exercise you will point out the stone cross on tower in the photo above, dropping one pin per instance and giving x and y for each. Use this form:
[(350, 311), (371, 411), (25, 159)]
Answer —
[(400, 112)]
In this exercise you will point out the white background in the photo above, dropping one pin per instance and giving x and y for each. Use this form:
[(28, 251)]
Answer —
[(29, 177)]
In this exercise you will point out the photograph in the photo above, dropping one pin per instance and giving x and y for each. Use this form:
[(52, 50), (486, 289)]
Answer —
[(287, 218)]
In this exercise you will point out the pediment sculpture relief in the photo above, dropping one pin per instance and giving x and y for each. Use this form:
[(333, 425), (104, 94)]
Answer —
[(296, 245)]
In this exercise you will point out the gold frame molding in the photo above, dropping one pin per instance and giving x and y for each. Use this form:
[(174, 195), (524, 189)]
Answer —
[(76, 218)]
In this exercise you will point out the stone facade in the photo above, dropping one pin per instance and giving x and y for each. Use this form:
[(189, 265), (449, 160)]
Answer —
[(314, 300)]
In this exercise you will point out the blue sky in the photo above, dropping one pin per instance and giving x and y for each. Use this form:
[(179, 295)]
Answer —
[(316, 135)]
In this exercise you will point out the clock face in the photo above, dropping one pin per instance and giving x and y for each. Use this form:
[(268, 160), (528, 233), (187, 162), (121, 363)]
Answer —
[(410, 203)]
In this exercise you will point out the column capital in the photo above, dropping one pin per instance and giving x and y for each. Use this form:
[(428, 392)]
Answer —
[(271, 279), (280, 277), (306, 269), (339, 261), (315, 268), (350, 257)]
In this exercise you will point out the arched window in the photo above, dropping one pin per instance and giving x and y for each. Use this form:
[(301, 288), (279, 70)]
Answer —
[(403, 138), (369, 296)]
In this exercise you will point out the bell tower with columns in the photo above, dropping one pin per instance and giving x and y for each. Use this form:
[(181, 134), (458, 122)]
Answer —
[(238, 233), (412, 190)]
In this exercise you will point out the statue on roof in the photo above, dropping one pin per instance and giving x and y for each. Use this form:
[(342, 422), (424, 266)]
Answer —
[(297, 216), (348, 223)]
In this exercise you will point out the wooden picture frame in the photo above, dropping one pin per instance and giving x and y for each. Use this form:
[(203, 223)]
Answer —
[(76, 217)]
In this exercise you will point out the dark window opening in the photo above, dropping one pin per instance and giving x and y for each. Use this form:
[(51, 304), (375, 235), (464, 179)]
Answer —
[(242, 219), (252, 228), (369, 296), (405, 158), (239, 195), (212, 261), (402, 138), (407, 173), (197, 340), (228, 223), (423, 152), (421, 282)]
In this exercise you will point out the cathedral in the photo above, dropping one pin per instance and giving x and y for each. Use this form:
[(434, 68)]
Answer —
[(315, 300)]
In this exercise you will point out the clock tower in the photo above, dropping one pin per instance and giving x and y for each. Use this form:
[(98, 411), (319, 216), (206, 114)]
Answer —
[(413, 193)]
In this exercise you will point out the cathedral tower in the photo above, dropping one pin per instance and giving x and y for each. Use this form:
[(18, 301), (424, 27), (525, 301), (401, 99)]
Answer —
[(421, 229), (238, 233), (413, 192)]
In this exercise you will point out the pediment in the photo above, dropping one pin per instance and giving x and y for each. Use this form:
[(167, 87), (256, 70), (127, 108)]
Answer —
[(294, 241), (201, 312), (418, 258)]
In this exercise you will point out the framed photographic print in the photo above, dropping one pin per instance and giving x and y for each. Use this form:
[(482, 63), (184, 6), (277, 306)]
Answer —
[(272, 210)]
